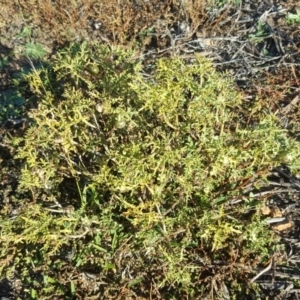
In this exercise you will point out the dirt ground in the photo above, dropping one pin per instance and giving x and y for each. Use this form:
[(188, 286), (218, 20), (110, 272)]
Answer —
[(256, 42)]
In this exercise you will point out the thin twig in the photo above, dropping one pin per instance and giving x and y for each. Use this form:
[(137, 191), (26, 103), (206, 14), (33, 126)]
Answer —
[(292, 104), (267, 269), (80, 235)]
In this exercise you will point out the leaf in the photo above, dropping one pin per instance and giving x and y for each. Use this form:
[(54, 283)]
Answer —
[(25, 33), (33, 293), (73, 289), (35, 50), (135, 282), (293, 18), (3, 62)]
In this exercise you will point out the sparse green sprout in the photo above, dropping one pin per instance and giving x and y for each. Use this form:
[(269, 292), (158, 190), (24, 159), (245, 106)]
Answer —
[(25, 33), (11, 104), (29, 48), (293, 18), (260, 34), (221, 3), (4, 61), (34, 50), (149, 165)]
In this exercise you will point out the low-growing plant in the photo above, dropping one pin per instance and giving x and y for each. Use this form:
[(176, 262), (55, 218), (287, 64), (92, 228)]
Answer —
[(12, 99), (149, 164), (11, 104), (221, 3), (29, 48), (260, 34), (293, 18)]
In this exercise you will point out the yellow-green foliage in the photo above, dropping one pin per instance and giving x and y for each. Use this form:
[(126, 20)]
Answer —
[(152, 157), (178, 129)]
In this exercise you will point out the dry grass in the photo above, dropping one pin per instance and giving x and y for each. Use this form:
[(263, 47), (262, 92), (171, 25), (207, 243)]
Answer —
[(66, 20)]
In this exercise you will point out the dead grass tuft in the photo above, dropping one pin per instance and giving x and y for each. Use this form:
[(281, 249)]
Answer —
[(68, 20)]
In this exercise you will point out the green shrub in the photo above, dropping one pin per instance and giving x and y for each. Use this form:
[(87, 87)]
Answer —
[(148, 163)]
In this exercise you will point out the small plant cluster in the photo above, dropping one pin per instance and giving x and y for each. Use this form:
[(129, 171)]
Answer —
[(12, 100), (293, 18), (148, 164), (11, 104)]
